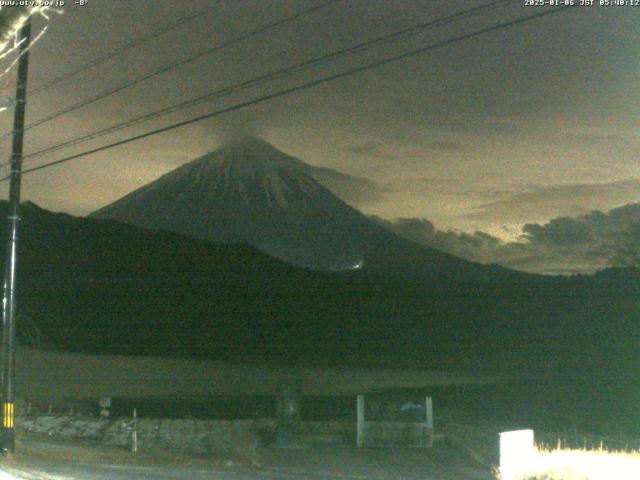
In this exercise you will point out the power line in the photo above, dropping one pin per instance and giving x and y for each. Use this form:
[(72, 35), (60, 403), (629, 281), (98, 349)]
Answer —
[(304, 86), (173, 66), (126, 47), (394, 36)]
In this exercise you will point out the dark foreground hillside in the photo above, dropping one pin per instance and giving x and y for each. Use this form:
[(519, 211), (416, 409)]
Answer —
[(99, 286)]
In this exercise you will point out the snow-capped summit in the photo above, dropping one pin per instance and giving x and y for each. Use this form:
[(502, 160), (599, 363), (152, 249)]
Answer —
[(246, 155), (248, 191), (247, 171)]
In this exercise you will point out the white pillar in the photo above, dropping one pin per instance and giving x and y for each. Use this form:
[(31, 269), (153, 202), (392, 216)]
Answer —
[(428, 409), (516, 453), (360, 425)]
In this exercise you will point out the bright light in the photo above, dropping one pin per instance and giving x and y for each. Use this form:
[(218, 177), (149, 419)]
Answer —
[(358, 265), (11, 21), (578, 465), (516, 453), (8, 476)]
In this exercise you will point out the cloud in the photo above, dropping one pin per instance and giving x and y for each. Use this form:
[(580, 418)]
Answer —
[(447, 146), (600, 139), (239, 125), (354, 190), (597, 238), (558, 200), (479, 246), (369, 149), (561, 232), (581, 244)]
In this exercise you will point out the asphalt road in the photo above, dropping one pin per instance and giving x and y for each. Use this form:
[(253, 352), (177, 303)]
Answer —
[(322, 463)]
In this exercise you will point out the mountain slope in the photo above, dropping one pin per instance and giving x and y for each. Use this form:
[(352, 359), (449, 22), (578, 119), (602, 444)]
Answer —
[(250, 192), (100, 286), (105, 287)]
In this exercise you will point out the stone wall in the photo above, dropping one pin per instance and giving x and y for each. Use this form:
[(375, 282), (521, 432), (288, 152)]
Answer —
[(193, 435), (398, 434)]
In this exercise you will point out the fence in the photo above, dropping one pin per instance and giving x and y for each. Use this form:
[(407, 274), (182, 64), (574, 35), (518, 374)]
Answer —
[(395, 421)]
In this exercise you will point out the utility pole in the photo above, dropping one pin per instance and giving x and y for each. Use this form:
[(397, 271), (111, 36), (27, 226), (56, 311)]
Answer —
[(9, 300)]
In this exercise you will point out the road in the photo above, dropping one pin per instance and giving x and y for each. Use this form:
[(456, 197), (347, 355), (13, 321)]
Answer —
[(374, 465), (321, 463)]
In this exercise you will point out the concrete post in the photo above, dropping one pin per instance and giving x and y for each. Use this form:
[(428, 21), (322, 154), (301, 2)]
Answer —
[(134, 432), (8, 343), (288, 413), (428, 411), (360, 424)]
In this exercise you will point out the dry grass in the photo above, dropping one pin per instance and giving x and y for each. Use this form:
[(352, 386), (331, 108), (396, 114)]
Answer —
[(570, 464)]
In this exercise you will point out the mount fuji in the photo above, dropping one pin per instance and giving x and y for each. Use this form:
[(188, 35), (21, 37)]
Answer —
[(250, 192)]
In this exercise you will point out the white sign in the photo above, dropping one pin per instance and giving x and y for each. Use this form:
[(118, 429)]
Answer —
[(516, 453)]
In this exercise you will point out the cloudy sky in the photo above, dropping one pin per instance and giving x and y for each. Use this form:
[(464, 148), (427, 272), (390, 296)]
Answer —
[(518, 126)]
